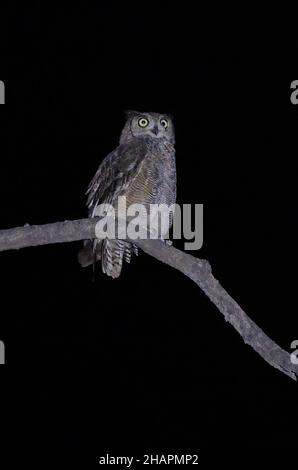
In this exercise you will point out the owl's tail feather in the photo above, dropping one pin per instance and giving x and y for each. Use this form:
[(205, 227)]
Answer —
[(110, 252)]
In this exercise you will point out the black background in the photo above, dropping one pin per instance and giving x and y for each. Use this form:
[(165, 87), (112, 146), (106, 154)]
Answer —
[(145, 362)]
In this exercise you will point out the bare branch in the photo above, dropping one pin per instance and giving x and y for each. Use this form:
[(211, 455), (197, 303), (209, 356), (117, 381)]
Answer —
[(196, 269)]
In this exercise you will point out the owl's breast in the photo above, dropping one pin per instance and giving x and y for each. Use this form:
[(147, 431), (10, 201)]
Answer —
[(156, 181)]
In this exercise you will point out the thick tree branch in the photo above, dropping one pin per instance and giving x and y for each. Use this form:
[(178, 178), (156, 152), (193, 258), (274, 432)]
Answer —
[(196, 269)]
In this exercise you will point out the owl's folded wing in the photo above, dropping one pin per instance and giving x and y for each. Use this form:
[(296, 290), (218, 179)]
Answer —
[(116, 173)]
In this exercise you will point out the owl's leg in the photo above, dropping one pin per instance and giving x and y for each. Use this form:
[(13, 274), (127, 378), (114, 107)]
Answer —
[(86, 255)]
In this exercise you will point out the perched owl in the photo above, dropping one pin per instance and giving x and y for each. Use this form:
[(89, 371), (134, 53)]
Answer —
[(143, 169)]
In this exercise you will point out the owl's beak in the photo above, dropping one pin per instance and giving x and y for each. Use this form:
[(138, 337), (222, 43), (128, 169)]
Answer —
[(155, 130)]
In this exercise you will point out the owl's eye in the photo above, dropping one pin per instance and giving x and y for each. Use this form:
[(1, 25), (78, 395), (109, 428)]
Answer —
[(143, 122), (164, 123)]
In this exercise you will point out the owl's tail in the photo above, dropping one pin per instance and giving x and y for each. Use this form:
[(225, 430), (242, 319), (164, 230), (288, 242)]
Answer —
[(110, 252)]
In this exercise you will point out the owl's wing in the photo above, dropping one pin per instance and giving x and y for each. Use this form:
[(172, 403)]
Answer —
[(116, 173)]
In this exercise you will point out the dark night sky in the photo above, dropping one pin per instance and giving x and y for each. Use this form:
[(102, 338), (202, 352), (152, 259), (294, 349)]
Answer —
[(146, 363)]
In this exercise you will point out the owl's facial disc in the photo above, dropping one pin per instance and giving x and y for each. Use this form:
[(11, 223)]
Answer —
[(154, 125)]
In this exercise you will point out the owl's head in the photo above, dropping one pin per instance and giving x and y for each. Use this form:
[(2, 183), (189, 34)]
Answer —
[(155, 125)]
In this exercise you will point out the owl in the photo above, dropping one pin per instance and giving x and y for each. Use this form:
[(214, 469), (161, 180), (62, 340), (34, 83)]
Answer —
[(143, 169)]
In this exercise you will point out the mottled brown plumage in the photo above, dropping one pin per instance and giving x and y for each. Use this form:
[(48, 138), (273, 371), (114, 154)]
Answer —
[(142, 168)]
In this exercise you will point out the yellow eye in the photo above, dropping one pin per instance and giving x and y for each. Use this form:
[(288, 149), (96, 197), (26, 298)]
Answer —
[(143, 122), (164, 123)]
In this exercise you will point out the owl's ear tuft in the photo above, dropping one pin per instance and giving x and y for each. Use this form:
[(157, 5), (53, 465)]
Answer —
[(170, 116), (129, 113)]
